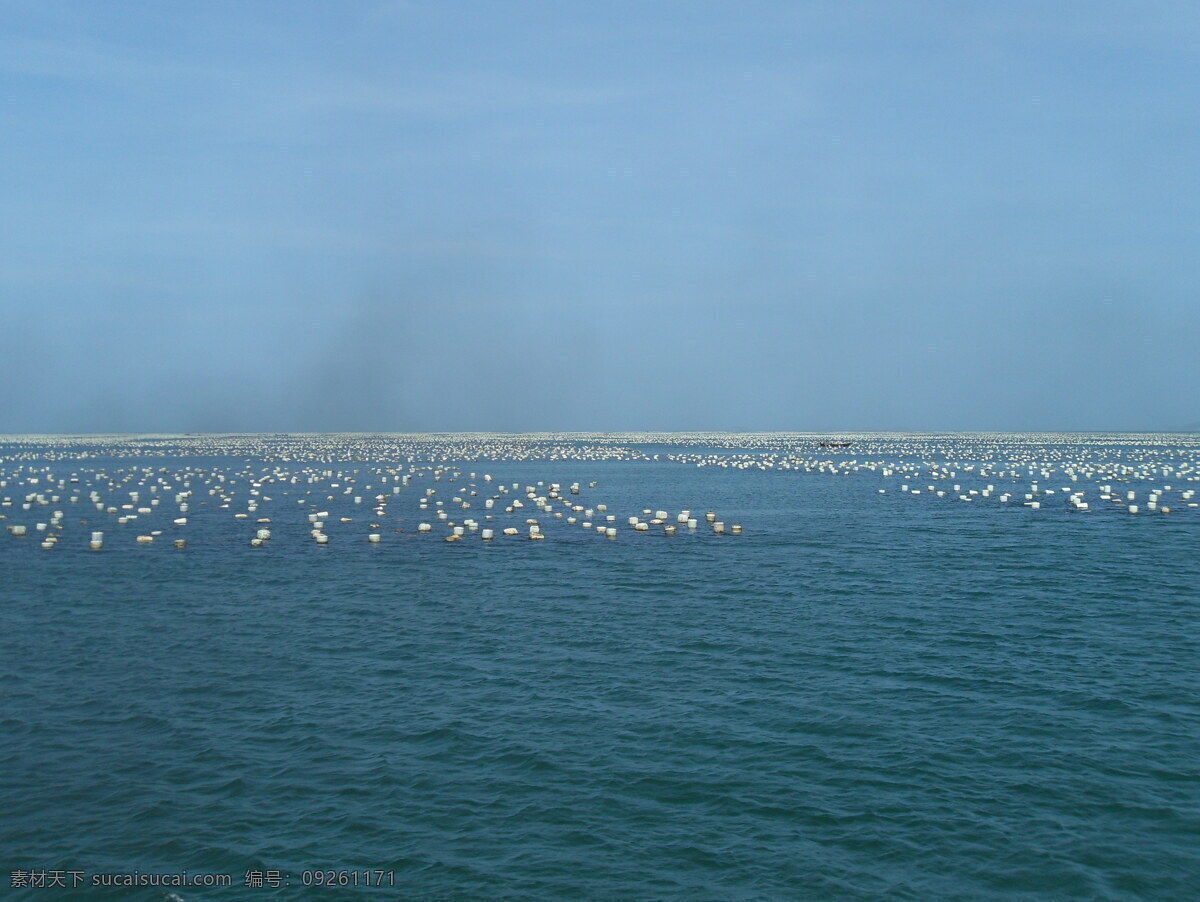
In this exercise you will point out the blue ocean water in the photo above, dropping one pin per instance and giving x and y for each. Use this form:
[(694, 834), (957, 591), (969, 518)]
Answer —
[(861, 696)]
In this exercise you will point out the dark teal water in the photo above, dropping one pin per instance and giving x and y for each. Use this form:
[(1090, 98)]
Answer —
[(863, 696)]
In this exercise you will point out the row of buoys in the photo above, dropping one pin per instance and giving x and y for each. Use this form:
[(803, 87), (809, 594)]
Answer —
[(222, 487), (53, 480), (1037, 496)]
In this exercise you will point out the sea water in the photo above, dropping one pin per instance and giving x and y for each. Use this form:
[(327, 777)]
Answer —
[(864, 695)]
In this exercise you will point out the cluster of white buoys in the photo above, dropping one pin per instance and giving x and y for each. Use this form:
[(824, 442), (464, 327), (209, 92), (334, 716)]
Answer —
[(1011, 469), (766, 450), (267, 489), (332, 448), (1034, 494), (149, 502)]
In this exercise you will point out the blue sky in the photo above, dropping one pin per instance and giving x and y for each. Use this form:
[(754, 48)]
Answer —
[(262, 216)]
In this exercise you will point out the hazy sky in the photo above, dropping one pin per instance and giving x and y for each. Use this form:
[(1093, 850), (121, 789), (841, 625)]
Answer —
[(263, 216)]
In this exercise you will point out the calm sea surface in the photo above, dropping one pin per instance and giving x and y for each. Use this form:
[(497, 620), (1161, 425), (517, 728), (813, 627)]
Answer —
[(862, 696)]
